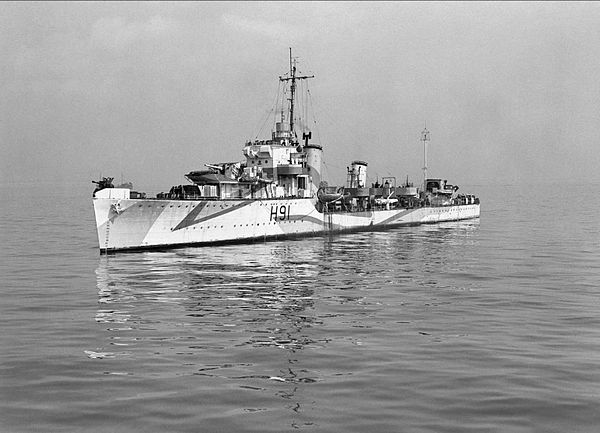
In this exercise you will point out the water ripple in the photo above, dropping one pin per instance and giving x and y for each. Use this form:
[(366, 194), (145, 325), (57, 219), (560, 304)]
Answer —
[(488, 325)]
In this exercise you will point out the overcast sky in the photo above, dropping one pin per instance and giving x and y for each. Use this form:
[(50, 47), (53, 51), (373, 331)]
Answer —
[(510, 91)]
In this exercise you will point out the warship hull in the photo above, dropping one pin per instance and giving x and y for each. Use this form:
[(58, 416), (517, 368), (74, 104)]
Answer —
[(137, 224)]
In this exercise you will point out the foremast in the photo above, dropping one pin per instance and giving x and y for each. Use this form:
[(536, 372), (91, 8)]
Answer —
[(424, 139), (274, 168), (292, 78)]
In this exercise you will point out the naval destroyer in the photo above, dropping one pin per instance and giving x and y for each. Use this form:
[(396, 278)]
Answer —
[(276, 191)]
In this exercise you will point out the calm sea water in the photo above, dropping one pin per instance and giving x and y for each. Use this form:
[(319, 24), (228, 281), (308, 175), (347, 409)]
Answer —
[(490, 325)]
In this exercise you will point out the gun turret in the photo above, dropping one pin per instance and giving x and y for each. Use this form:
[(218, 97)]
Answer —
[(105, 182)]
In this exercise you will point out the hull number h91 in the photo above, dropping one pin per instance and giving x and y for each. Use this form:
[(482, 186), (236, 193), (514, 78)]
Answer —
[(280, 212)]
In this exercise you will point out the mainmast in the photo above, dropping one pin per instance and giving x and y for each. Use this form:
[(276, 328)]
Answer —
[(425, 139), (293, 79)]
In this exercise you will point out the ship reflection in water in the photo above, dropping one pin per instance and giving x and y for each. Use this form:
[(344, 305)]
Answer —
[(259, 323), (234, 314)]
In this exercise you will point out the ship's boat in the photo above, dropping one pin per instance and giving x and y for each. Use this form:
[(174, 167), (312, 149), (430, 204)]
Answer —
[(330, 194), (276, 191)]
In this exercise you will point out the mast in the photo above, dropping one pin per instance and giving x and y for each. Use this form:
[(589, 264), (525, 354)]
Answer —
[(293, 79), (425, 139)]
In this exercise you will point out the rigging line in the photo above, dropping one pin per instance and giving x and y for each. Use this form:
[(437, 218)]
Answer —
[(303, 106), (279, 90), (309, 110), (297, 109), (266, 116), (269, 113), (306, 111), (283, 94), (263, 124), (312, 109), (300, 108), (335, 166), (328, 170), (324, 116), (328, 175)]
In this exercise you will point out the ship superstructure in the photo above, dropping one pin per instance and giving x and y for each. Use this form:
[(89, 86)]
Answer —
[(276, 191)]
